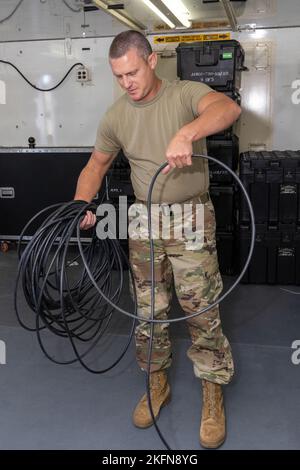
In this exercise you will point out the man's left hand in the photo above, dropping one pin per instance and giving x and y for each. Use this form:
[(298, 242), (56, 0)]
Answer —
[(179, 153)]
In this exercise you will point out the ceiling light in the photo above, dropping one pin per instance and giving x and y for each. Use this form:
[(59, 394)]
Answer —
[(159, 13), (179, 10)]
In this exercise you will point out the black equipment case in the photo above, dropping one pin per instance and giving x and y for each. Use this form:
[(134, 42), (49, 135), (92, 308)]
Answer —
[(276, 257), (34, 178), (216, 63), (227, 151), (272, 180)]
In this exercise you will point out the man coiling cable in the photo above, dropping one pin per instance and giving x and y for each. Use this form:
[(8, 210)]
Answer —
[(81, 309), (154, 121)]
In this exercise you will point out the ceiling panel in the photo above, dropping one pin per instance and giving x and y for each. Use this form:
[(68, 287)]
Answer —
[(268, 13), (46, 19)]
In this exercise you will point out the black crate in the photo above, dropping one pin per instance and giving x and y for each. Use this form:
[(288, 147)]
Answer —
[(118, 183), (227, 151), (120, 162), (276, 257), (272, 180), (216, 63), (118, 180), (224, 201), (226, 249), (32, 179), (123, 205)]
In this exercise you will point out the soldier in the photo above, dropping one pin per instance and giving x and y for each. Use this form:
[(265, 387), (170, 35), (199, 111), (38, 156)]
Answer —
[(153, 122)]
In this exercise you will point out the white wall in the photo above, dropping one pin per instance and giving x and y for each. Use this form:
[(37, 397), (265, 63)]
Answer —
[(70, 114), (52, 19), (67, 116)]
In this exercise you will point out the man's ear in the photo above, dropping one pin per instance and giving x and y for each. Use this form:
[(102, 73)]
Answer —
[(152, 60)]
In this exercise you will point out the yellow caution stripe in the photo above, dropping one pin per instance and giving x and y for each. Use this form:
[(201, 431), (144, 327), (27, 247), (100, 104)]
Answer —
[(191, 38)]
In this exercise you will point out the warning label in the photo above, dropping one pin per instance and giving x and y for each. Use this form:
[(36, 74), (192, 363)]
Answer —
[(191, 38)]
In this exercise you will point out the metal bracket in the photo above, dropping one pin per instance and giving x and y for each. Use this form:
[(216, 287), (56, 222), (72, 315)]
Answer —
[(119, 16), (230, 14), (7, 193), (249, 28)]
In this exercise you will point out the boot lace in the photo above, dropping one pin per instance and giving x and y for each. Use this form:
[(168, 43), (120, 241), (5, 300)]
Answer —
[(211, 399), (156, 381)]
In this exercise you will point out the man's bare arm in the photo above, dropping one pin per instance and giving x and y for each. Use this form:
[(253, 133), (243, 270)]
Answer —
[(90, 180), (216, 113)]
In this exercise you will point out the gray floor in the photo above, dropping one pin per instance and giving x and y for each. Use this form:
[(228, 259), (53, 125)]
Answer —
[(46, 406)]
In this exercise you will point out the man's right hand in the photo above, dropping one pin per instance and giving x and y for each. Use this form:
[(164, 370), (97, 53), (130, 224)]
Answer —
[(88, 221)]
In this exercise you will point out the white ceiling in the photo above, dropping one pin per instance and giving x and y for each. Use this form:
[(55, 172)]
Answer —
[(46, 19), (269, 13)]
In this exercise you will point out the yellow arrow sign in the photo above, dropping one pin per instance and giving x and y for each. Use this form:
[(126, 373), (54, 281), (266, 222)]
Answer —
[(191, 38)]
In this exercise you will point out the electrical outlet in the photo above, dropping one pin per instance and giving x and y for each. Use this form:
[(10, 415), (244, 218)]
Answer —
[(83, 74)]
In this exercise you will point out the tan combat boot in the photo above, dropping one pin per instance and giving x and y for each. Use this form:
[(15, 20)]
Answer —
[(160, 396), (212, 429)]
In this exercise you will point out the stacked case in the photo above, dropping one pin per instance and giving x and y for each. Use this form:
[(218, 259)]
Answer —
[(218, 64), (118, 183), (272, 180)]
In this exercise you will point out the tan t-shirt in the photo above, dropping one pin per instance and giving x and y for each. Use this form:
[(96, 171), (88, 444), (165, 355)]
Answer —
[(144, 130)]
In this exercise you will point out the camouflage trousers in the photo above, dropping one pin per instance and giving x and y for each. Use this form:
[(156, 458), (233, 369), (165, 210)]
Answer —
[(197, 280)]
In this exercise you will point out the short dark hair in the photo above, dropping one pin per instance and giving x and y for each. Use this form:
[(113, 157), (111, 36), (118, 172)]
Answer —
[(128, 40)]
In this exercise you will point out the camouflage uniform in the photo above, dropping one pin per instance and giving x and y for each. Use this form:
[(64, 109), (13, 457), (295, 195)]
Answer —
[(198, 283)]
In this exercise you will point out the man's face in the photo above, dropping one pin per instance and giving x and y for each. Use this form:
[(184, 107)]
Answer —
[(134, 74)]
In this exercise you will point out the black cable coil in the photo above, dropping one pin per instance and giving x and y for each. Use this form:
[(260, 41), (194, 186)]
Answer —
[(70, 308)]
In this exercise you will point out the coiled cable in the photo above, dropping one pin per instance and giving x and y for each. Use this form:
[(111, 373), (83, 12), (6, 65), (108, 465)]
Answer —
[(69, 309)]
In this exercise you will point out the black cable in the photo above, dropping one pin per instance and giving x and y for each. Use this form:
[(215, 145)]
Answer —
[(78, 313), (36, 87), (75, 10), (12, 13)]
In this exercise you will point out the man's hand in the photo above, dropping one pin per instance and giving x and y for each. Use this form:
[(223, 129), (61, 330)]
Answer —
[(179, 152), (216, 113), (88, 221)]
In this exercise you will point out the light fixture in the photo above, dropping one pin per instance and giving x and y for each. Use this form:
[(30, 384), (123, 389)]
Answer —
[(179, 10), (2, 96), (120, 16), (159, 13)]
